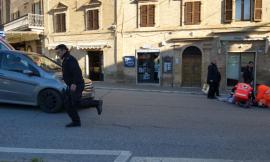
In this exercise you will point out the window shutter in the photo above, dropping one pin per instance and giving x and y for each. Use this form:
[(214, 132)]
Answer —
[(60, 23), (33, 8), (90, 20), (18, 14), (95, 20), (257, 10), (57, 23), (228, 11), (188, 13), (196, 12), (63, 22), (143, 16), (39, 8), (151, 15)]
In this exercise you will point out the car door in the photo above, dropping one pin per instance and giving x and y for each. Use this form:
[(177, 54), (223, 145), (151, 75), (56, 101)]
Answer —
[(17, 87)]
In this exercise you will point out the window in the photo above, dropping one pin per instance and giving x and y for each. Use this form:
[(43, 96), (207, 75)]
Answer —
[(192, 13), (92, 19), (60, 22), (245, 10), (242, 10), (147, 16), (15, 63), (3, 47), (235, 65), (45, 63), (36, 8), (15, 15)]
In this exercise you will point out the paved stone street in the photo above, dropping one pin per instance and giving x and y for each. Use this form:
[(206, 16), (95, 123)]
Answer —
[(138, 126)]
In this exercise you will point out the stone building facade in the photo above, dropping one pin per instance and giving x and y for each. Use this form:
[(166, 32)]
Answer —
[(85, 26), (163, 42), (22, 22), (181, 37)]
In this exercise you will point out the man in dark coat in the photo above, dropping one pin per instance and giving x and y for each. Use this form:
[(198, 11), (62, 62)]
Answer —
[(213, 78), (248, 74), (72, 75), (218, 84)]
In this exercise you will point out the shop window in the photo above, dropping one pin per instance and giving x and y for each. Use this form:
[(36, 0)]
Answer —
[(148, 68), (235, 66)]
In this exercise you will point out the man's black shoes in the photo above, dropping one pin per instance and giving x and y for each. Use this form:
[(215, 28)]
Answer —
[(73, 124), (99, 107)]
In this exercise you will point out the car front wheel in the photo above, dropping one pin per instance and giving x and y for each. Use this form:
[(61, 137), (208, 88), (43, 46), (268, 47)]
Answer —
[(50, 101)]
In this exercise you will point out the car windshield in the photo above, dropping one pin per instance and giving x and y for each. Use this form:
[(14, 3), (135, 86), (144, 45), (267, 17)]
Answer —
[(45, 63)]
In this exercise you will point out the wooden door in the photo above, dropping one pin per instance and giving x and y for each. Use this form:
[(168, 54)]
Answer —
[(191, 68)]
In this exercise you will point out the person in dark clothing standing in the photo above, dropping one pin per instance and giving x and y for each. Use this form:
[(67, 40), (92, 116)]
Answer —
[(212, 79), (73, 78), (248, 74), (218, 84)]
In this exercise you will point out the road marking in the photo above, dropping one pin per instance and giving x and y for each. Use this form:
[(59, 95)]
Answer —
[(163, 159), (122, 156)]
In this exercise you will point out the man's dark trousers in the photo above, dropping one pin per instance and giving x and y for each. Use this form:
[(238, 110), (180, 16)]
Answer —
[(72, 103), (212, 89)]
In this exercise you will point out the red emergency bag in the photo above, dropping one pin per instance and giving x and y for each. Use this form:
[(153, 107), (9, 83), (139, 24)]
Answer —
[(243, 92)]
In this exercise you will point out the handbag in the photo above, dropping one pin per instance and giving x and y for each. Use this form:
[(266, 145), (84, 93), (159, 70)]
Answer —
[(205, 88)]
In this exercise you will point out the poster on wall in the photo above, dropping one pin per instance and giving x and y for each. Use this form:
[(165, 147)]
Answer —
[(129, 61), (167, 64)]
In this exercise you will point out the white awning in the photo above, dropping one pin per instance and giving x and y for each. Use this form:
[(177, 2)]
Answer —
[(22, 36), (80, 45), (148, 51), (92, 45)]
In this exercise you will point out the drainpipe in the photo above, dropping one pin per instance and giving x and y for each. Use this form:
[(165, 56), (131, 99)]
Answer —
[(181, 13), (255, 71), (115, 34)]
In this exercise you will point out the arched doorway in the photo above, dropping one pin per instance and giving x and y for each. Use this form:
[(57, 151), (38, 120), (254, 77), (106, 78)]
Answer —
[(191, 67)]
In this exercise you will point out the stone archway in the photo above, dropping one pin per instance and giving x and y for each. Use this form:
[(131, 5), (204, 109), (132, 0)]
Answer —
[(191, 67)]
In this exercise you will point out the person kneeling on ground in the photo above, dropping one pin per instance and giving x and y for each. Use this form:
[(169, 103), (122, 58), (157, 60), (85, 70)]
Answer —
[(242, 94), (263, 96)]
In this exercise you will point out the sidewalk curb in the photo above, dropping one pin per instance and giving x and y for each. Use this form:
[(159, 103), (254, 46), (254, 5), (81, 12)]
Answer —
[(150, 90)]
